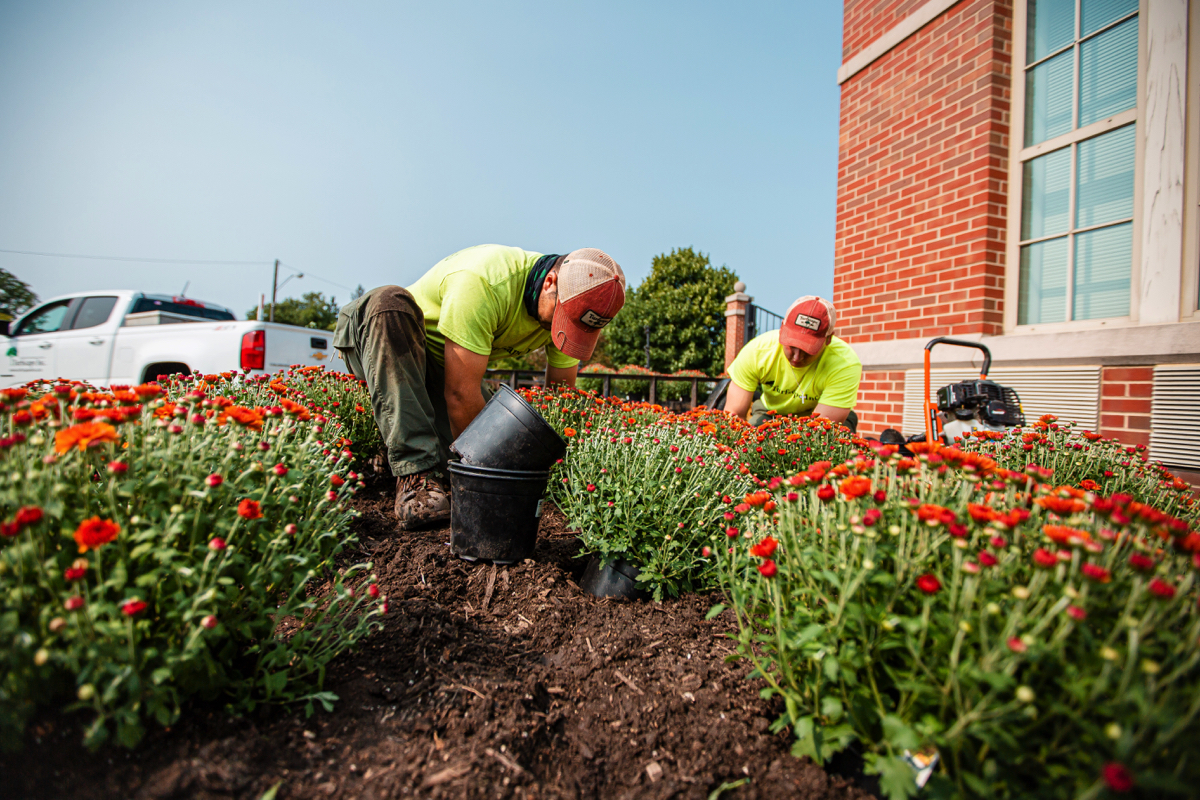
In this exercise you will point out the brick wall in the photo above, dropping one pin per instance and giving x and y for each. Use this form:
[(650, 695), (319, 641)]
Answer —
[(880, 402), (1125, 403), (864, 21), (922, 176)]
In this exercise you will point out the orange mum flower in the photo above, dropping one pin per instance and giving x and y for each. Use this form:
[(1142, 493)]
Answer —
[(249, 509), (569, 432), (246, 417), (855, 486), (1061, 534), (95, 532), (84, 435), (1063, 506)]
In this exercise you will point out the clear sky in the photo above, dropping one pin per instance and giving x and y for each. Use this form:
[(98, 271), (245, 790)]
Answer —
[(363, 142)]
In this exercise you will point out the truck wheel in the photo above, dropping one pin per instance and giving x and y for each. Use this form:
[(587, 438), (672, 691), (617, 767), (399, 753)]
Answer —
[(152, 372)]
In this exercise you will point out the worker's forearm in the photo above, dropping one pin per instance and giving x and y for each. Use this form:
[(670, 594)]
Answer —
[(462, 409)]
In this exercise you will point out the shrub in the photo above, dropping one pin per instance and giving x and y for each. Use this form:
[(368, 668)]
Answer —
[(155, 550), (1043, 639)]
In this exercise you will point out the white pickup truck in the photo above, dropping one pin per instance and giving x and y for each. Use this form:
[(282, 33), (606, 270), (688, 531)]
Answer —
[(126, 337)]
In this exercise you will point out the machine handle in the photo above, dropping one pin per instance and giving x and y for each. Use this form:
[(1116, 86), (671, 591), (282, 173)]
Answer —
[(930, 409), (987, 354)]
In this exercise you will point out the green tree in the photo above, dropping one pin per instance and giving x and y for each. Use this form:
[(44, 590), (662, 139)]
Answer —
[(15, 295), (682, 302), (311, 311)]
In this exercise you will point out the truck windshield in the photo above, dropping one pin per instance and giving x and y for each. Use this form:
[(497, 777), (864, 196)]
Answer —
[(149, 304)]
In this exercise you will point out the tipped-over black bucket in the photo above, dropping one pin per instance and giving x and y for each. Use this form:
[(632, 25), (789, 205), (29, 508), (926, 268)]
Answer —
[(618, 579), (509, 434), (494, 512)]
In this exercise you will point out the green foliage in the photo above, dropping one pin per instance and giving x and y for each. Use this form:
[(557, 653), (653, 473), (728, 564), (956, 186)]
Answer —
[(15, 295), (311, 311), (1032, 634), (682, 301), (216, 524)]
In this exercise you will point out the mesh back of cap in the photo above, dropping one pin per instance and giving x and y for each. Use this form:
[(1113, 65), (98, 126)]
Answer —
[(585, 269)]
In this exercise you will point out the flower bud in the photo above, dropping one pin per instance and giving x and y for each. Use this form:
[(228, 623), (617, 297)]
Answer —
[(214, 480), (1020, 592), (290, 529), (1025, 694), (86, 692), (41, 657), (57, 624), (217, 544), (1113, 731), (280, 470), (209, 622), (118, 467), (1108, 654)]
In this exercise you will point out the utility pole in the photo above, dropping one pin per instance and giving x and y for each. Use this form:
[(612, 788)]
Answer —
[(274, 286), (647, 347)]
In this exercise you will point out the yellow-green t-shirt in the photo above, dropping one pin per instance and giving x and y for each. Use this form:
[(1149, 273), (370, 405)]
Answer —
[(831, 381), (475, 299)]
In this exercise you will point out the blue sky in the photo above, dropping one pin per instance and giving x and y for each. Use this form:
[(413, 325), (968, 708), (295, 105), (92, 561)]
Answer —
[(363, 142)]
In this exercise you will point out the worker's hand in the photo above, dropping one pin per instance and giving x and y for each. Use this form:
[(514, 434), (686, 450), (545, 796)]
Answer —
[(738, 401), (464, 374), (561, 375)]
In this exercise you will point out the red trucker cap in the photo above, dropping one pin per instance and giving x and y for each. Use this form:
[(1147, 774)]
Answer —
[(591, 290), (807, 324)]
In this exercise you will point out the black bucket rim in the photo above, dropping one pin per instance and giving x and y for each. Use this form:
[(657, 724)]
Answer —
[(535, 420), (476, 471)]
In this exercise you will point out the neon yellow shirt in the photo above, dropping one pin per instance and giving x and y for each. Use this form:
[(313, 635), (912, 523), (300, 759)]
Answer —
[(475, 299), (831, 381)]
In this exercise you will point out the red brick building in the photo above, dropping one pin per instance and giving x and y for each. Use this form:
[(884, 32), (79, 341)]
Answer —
[(1025, 174)]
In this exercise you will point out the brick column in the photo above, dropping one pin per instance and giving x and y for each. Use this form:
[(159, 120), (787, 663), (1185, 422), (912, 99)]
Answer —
[(736, 307), (1125, 404)]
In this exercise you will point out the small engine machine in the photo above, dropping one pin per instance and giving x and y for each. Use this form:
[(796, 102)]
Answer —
[(964, 406)]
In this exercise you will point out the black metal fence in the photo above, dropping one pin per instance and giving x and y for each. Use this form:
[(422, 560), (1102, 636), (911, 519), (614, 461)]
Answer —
[(759, 320)]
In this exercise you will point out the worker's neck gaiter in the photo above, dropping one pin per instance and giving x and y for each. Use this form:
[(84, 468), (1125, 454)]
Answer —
[(533, 283)]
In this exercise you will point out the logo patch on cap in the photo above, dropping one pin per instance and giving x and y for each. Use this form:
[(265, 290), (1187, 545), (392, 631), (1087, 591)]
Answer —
[(805, 321), (594, 320)]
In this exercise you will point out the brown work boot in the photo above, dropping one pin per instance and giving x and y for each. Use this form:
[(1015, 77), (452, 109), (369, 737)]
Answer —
[(422, 500)]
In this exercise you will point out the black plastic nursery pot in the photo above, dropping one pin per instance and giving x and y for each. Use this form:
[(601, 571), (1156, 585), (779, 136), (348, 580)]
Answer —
[(494, 513), (616, 579), (509, 434)]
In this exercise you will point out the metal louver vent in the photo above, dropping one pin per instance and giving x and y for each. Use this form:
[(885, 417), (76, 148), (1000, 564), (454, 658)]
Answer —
[(1175, 416), (1070, 393)]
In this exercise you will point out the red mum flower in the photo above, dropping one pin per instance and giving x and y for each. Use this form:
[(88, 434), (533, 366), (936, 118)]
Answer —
[(336, 480), (872, 516), (95, 532), (249, 509), (768, 568), (1016, 645), (217, 543), (826, 493), (1044, 558), (209, 622), (214, 480), (73, 603), (765, 548), (131, 607), (1098, 574), (1118, 778), (1141, 562), (1076, 612), (373, 591), (1161, 588), (731, 532), (928, 584), (28, 515), (880, 496), (987, 559), (591, 487)]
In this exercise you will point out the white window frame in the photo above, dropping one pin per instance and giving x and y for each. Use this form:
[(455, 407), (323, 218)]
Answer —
[(1019, 155), (1189, 306)]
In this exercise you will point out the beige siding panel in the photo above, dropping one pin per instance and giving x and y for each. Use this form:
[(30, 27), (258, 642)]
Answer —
[(1070, 393), (1175, 416)]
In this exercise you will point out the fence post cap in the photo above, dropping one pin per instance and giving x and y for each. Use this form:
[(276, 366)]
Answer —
[(739, 287)]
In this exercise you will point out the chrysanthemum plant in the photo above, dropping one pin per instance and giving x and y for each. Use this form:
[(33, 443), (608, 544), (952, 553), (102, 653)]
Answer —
[(153, 551), (1043, 640)]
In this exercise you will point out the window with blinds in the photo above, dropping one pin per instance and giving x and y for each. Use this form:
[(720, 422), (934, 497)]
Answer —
[(1077, 163)]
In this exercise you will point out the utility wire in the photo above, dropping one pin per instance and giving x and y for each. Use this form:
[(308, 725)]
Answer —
[(123, 258), (308, 274)]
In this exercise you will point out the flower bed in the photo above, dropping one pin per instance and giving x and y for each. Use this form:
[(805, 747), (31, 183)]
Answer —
[(156, 548), (1043, 639), (642, 484)]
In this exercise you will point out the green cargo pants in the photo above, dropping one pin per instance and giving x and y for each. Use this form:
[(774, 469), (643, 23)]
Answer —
[(381, 337)]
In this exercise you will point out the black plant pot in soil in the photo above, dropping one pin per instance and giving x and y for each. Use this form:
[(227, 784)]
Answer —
[(616, 579), (494, 512), (509, 434)]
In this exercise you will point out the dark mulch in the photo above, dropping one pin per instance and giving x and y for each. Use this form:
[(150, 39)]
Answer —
[(487, 682)]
